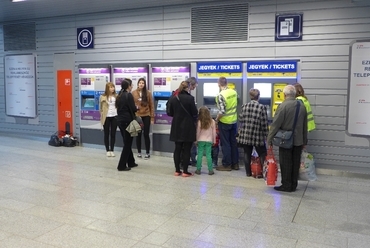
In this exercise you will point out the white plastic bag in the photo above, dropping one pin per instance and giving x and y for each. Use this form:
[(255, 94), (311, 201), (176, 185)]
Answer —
[(307, 168)]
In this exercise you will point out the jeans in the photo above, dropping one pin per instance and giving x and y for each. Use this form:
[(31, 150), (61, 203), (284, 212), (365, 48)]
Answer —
[(110, 128), (193, 154), (230, 154), (146, 121)]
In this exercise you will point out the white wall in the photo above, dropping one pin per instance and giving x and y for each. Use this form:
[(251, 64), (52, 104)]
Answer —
[(163, 34)]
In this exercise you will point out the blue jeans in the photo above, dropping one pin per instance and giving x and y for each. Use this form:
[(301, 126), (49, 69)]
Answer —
[(229, 147)]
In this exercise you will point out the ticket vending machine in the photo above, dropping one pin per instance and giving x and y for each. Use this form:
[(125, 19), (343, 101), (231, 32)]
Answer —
[(165, 78), (92, 83), (270, 78), (208, 74)]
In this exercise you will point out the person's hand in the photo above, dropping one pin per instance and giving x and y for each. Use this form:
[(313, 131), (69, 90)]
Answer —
[(152, 122)]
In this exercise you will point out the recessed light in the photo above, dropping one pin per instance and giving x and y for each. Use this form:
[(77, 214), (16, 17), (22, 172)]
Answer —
[(18, 1)]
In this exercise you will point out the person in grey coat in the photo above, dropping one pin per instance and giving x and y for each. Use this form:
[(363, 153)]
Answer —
[(183, 132), (289, 159)]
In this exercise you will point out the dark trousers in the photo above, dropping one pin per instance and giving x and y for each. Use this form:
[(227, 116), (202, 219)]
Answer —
[(182, 155), (146, 122), (248, 149), (215, 152), (193, 154), (229, 147), (290, 160), (127, 157), (110, 128)]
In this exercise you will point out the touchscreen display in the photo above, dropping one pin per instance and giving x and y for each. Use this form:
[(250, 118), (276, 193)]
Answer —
[(89, 103), (161, 106)]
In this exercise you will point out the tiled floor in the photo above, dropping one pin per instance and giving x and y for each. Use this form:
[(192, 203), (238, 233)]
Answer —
[(75, 197)]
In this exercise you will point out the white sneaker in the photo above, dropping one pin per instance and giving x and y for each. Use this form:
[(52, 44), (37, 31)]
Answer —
[(108, 154), (112, 154)]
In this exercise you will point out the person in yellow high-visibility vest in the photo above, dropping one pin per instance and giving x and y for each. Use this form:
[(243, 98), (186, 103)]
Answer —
[(227, 102), (301, 96)]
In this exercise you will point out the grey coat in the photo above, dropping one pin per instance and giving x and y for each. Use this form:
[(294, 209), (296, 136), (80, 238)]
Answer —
[(284, 119)]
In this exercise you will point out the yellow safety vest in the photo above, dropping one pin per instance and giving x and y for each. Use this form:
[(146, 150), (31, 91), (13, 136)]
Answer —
[(231, 100), (310, 121)]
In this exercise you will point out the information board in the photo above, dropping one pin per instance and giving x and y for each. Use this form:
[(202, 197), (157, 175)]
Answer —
[(358, 118), (20, 85)]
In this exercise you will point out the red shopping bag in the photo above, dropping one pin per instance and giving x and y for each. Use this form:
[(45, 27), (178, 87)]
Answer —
[(270, 168), (256, 167)]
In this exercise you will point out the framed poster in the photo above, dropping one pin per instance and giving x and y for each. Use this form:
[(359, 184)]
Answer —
[(358, 119), (20, 85)]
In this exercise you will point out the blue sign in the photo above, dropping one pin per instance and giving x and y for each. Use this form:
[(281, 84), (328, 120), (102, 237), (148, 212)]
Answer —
[(162, 94), (288, 27), (85, 38), (230, 67), (272, 66)]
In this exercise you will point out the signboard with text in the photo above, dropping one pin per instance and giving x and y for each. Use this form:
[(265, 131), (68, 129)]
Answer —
[(266, 69), (20, 86), (358, 119)]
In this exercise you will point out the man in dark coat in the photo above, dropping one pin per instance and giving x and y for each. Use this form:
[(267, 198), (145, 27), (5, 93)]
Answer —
[(289, 159)]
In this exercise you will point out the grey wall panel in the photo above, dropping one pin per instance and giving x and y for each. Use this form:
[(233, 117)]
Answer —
[(336, 111), (325, 73), (324, 83), (330, 120), (325, 65), (331, 100), (327, 135), (312, 50)]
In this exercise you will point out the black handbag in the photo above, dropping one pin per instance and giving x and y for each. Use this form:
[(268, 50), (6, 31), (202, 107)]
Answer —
[(284, 138), (54, 140)]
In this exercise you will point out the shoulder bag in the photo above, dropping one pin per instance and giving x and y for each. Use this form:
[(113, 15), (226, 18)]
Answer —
[(284, 138), (134, 128)]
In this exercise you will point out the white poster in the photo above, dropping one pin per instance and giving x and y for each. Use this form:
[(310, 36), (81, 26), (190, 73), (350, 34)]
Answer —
[(20, 86), (358, 118)]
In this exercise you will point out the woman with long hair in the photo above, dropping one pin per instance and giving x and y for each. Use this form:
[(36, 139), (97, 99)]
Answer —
[(311, 125), (108, 113), (183, 132), (206, 137), (145, 109), (125, 114)]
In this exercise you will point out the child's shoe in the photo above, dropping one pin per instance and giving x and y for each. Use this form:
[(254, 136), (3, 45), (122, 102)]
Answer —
[(211, 172), (197, 172)]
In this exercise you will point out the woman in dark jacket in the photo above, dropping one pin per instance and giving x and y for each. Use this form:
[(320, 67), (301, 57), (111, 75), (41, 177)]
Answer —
[(125, 114), (183, 132)]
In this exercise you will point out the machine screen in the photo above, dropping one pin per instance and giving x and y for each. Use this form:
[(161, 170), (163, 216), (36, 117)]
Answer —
[(89, 103), (264, 88), (211, 89), (161, 105)]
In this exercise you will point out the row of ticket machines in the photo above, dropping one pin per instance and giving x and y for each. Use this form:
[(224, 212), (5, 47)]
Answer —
[(270, 77)]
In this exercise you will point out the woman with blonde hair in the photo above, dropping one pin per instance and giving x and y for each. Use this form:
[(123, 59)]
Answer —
[(108, 113), (184, 112), (206, 137), (311, 125)]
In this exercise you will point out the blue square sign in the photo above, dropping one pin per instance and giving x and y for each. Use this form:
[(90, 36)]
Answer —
[(85, 38), (288, 27)]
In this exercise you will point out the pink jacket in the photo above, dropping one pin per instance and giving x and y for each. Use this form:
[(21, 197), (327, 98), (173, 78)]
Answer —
[(208, 135)]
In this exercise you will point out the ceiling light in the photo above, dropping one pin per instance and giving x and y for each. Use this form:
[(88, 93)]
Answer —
[(18, 1)]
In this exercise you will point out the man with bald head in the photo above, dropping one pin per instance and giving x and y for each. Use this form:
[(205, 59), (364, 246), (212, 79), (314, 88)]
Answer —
[(227, 102), (289, 159)]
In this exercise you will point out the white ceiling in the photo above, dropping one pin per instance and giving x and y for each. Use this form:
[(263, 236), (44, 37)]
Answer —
[(30, 9)]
